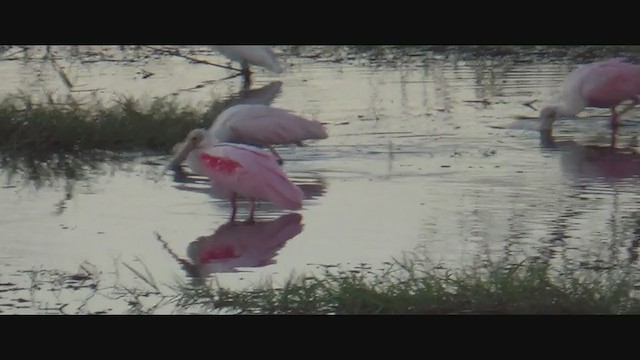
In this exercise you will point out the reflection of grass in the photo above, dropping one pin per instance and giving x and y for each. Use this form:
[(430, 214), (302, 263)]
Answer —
[(40, 169), (128, 126), (53, 169)]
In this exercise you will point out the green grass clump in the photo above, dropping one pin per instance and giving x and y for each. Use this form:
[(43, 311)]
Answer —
[(27, 127), (409, 287)]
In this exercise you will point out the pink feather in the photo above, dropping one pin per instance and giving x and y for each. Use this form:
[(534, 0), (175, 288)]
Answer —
[(250, 172), (264, 125)]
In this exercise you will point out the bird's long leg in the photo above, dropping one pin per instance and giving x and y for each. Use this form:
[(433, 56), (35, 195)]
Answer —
[(635, 101), (274, 152), (246, 83), (234, 207), (246, 74), (244, 64), (614, 118), (253, 209)]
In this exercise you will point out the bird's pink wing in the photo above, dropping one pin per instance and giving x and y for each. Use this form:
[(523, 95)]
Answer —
[(607, 83), (276, 126), (250, 172)]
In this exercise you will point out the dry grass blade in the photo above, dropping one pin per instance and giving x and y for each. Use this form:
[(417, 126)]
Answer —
[(62, 74), (148, 279)]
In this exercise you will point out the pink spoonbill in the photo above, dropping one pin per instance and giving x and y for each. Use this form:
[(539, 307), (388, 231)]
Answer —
[(238, 169), (262, 125), (602, 84), (247, 55)]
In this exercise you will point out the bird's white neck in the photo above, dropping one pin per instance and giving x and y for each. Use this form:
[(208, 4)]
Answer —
[(193, 161), (570, 104)]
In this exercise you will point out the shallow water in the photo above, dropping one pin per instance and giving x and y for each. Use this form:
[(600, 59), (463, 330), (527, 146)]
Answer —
[(432, 154)]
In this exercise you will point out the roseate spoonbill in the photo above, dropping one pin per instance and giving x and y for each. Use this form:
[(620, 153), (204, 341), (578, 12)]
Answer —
[(313, 186), (262, 125), (602, 84), (235, 245), (247, 55), (238, 169)]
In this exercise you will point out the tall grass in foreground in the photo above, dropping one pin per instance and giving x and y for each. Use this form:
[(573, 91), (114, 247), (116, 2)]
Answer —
[(410, 287)]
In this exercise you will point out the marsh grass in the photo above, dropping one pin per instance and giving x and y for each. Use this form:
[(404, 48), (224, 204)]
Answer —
[(411, 286), (524, 53), (45, 142), (39, 128), (48, 140)]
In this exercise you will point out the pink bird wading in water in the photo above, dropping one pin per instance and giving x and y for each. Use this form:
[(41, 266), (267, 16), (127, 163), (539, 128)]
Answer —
[(238, 169), (262, 125), (602, 84)]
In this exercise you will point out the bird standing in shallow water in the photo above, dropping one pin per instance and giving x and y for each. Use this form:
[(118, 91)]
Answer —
[(247, 55), (238, 169), (262, 125), (602, 84)]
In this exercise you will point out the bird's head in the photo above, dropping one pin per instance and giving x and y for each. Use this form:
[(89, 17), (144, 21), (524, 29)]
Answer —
[(193, 140), (547, 116)]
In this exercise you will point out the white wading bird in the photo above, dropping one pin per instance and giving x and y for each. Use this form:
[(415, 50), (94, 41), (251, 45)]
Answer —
[(248, 55)]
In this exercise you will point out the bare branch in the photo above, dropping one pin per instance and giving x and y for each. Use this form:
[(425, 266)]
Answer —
[(178, 54)]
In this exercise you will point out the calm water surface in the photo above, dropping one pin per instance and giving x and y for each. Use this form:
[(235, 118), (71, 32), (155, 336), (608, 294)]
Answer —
[(431, 154)]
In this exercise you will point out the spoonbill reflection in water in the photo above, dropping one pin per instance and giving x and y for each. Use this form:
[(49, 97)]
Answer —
[(594, 161), (602, 84), (264, 95), (238, 169), (235, 245)]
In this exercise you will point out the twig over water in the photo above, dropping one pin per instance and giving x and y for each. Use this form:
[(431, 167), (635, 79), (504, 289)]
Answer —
[(192, 59)]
